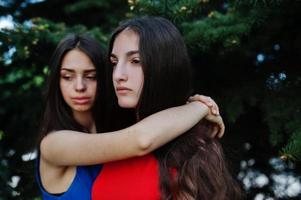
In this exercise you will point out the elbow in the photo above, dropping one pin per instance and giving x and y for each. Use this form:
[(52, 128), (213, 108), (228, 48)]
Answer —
[(144, 146), (142, 139), (46, 148)]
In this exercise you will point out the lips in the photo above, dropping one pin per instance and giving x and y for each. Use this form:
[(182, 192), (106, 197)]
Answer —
[(122, 90), (81, 100)]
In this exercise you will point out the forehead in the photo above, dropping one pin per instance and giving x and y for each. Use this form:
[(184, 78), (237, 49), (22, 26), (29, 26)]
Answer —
[(77, 60), (127, 40)]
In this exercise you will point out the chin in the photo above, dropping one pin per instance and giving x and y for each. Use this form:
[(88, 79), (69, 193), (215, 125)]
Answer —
[(127, 104), (82, 108)]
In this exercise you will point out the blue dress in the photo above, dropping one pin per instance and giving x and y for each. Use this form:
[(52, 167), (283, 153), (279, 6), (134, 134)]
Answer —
[(80, 188)]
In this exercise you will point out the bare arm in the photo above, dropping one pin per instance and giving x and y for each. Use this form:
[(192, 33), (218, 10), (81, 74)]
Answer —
[(66, 148)]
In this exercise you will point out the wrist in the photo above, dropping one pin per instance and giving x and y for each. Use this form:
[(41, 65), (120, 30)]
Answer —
[(200, 105)]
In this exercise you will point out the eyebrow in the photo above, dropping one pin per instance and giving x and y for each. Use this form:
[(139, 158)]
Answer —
[(129, 53), (85, 71)]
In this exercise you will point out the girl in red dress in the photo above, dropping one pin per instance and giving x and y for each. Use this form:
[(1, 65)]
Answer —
[(150, 72)]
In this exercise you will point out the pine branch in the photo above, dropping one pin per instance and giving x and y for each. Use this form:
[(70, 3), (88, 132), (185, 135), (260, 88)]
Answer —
[(218, 28), (292, 151), (255, 3)]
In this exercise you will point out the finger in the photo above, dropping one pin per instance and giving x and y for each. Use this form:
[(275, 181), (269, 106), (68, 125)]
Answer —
[(221, 130), (215, 131), (192, 98), (209, 100), (206, 101), (215, 109), (198, 96)]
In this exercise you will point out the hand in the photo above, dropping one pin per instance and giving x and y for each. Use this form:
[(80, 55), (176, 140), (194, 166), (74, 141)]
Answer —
[(213, 116), (207, 101), (218, 125)]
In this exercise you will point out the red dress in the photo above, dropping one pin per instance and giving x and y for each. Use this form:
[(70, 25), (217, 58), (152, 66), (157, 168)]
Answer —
[(130, 179)]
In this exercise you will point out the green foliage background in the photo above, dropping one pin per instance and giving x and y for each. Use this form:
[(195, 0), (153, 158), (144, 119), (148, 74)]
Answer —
[(246, 55)]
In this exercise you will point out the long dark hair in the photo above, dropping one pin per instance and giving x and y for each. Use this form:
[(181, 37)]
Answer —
[(193, 165), (58, 114)]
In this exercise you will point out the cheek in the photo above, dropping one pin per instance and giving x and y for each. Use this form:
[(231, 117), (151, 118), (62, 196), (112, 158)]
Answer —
[(93, 88), (140, 78), (66, 89), (113, 79), (63, 87)]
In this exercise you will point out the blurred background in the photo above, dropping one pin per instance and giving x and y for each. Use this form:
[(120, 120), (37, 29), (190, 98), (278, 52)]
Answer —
[(246, 55)]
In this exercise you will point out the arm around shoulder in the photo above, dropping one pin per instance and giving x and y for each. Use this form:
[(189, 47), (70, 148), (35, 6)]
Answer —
[(164, 126), (65, 147)]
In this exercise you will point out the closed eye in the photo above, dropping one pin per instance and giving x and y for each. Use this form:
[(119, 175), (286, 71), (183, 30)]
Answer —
[(91, 77), (67, 77)]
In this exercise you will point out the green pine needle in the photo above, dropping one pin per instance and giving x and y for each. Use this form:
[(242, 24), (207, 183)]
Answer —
[(292, 151)]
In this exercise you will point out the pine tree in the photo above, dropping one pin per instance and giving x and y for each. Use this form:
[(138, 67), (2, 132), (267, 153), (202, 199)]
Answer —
[(222, 28), (245, 55)]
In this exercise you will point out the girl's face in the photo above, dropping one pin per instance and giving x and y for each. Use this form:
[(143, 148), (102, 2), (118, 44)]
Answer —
[(78, 81), (128, 75)]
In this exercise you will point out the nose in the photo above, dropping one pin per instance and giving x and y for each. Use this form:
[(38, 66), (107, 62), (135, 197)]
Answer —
[(120, 72), (80, 84)]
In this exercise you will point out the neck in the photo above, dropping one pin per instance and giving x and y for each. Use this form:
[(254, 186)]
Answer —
[(137, 115), (86, 120)]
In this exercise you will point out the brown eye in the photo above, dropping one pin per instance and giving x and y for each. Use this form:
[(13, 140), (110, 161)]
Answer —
[(113, 63)]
